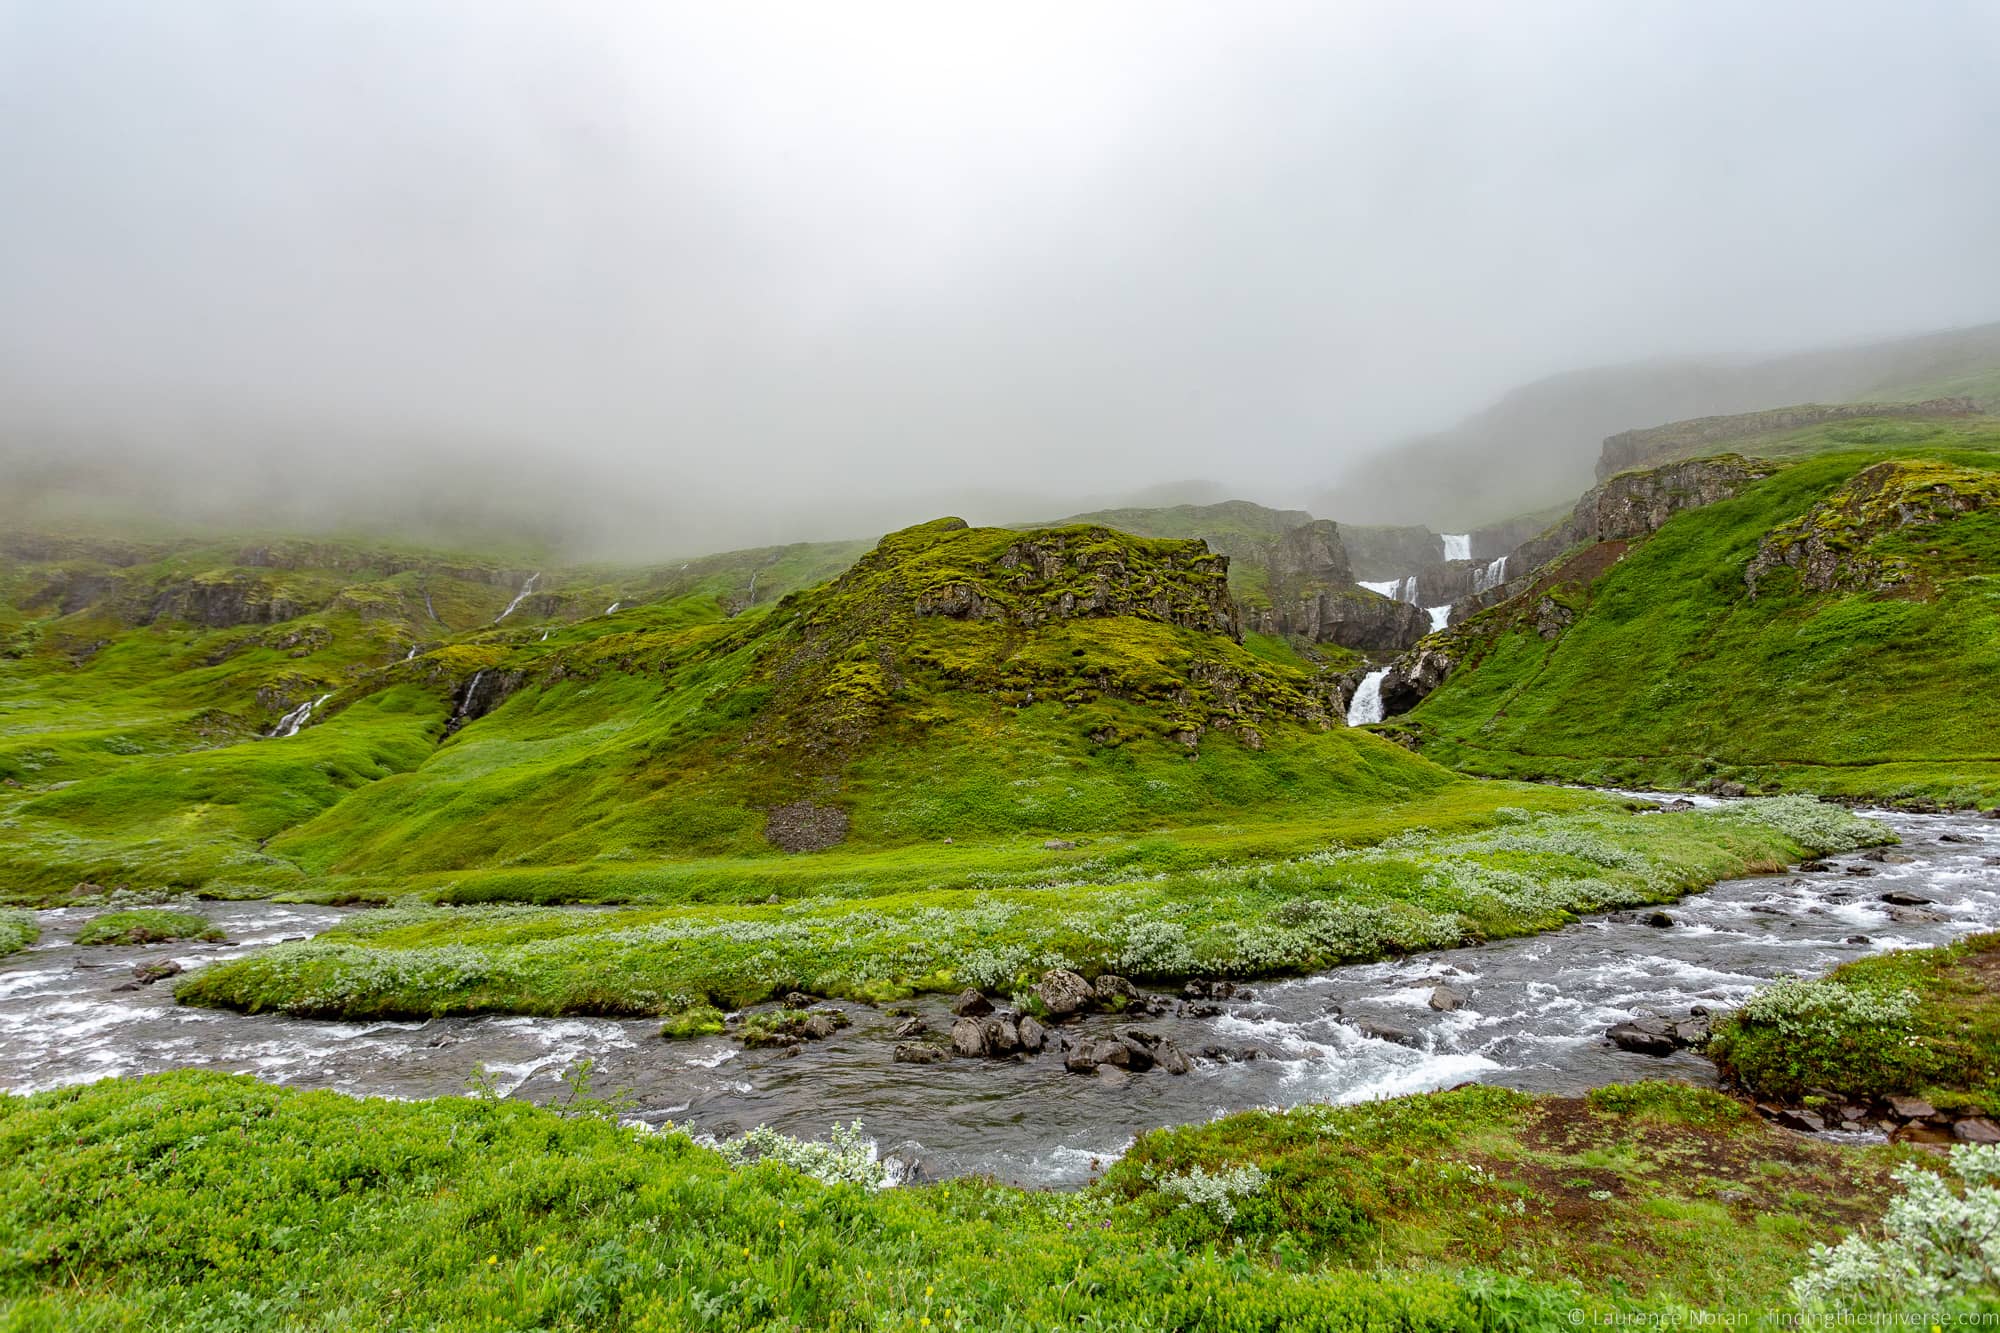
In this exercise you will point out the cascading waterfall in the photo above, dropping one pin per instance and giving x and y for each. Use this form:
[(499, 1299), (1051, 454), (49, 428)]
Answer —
[(1458, 546), (613, 607), (289, 724), (1409, 591), (519, 598), (1491, 576), (411, 654), (471, 688), (1402, 590), (1440, 616), (1386, 588), (1366, 706)]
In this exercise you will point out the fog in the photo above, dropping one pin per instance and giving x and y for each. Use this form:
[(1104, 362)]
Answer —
[(675, 276)]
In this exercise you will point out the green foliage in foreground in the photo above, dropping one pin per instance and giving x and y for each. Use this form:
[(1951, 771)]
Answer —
[(212, 1201), (1672, 675), (1417, 890), (1917, 1021), (146, 925), (18, 930)]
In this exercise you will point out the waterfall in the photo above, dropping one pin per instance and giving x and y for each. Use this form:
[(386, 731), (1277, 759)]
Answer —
[(519, 597), (1386, 588), (411, 654), (613, 607), (471, 688), (1440, 616), (1491, 577), (1458, 546), (1366, 705), (289, 724), (1402, 590), (428, 607), (1409, 592)]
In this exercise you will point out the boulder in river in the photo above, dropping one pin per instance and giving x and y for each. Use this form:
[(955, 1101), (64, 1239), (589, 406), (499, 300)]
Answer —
[(1063, 993), (1904, 898), (1032, 1034), (1002, 1037), (910, 1027), (1110, 989), (1915, 916), (148, 973), (1975, 1129), (1644, 1036), (1910, 1108), (968, 1037), (1658, 920), (971, 1004), (919, 1053), (1390, 1032), (1444, 999)]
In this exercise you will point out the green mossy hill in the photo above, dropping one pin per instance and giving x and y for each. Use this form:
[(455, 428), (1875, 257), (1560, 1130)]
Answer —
[(208, 1201), (954, 682), (1826, 628), (1920, 1022)]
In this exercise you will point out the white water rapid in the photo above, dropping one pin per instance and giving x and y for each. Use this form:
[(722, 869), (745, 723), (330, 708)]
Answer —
[(1457, 546), (1491, 576), (1440, 616), (1366, 705), (519, 598), (289, 724)]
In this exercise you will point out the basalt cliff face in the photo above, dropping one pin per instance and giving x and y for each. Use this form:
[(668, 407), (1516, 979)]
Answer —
[(1314, 596), (1658, 444)]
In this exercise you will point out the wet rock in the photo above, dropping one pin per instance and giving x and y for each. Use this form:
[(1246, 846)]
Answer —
[(1444, 999), (1815, 867), (1657, 920), (1644, 1036), (148, 973), (1915, 916), (1904, 898), (1172, 1059), (1955, 837), (1976, 1129), (918, 1053), (910, 1027), (1002, 1037), (1058, 845), (818, 1027), (1677, 805), (1112, 1077), (1857, 939), (1230, 1055), (1910, 1108), (1691, 1032), (1919, 1132), (1199, 1009), (906, 1162), (1801, 1119), (1032, 1034), (1108, 988), (1728, 789), (1401, 1036), (1859, 870), (797, 1000), (1767, 909), (971, 1004), (1063, 993), (1887, 856), (968, 1037)]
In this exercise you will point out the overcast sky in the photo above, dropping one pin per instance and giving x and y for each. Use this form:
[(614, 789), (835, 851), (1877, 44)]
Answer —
[(801, 253)]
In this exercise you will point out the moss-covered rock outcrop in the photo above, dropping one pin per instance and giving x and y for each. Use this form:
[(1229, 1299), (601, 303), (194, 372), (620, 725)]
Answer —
[(1848, 540)]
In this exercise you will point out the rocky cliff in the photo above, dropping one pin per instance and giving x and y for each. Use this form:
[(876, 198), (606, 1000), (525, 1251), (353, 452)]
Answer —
[(1658, 444), (1840, 543)]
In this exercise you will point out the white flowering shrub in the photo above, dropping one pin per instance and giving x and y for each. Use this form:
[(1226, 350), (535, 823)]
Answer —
[(1156, 949), (1799, 1008), (1814, 825), (1940, 1248), (847, 1156), (1217, 1193)]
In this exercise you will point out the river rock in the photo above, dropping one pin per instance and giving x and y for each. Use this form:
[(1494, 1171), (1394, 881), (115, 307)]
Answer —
[(1108, 988), (968, 1037), (971, 1004), (1728, 789), (1112, 1077), (910, 1027), (1199, 1009), (818, 1027), (1691, 1032), (1801, 1119), (1904, 898), (1919, 1132), (1915, 916), (1814, 867), (1644, 1036), (918, 1053), (1444, 999), (1657, 920), (148, 973), (1857, 939), (1955, 837), (1063, 992), (1002, 1038), (1910, 1108), (1390, 1032), (1976, 1129), (1677, 805), (797, 999), (1858, 869), (1032, 1034)]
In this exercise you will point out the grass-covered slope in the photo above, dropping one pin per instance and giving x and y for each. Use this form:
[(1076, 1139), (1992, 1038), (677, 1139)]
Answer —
[(1835, 627), (210, 1201), (953, 683)]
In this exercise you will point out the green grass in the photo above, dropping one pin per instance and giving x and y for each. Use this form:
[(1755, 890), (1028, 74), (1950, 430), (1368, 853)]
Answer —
[(18, 930), (1519, 872), (1672, 675), (1923, 1022), (146, 925), (212, 1201)]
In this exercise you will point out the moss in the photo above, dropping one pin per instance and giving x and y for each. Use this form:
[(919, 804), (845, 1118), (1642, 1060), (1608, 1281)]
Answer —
[(146, 926)]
